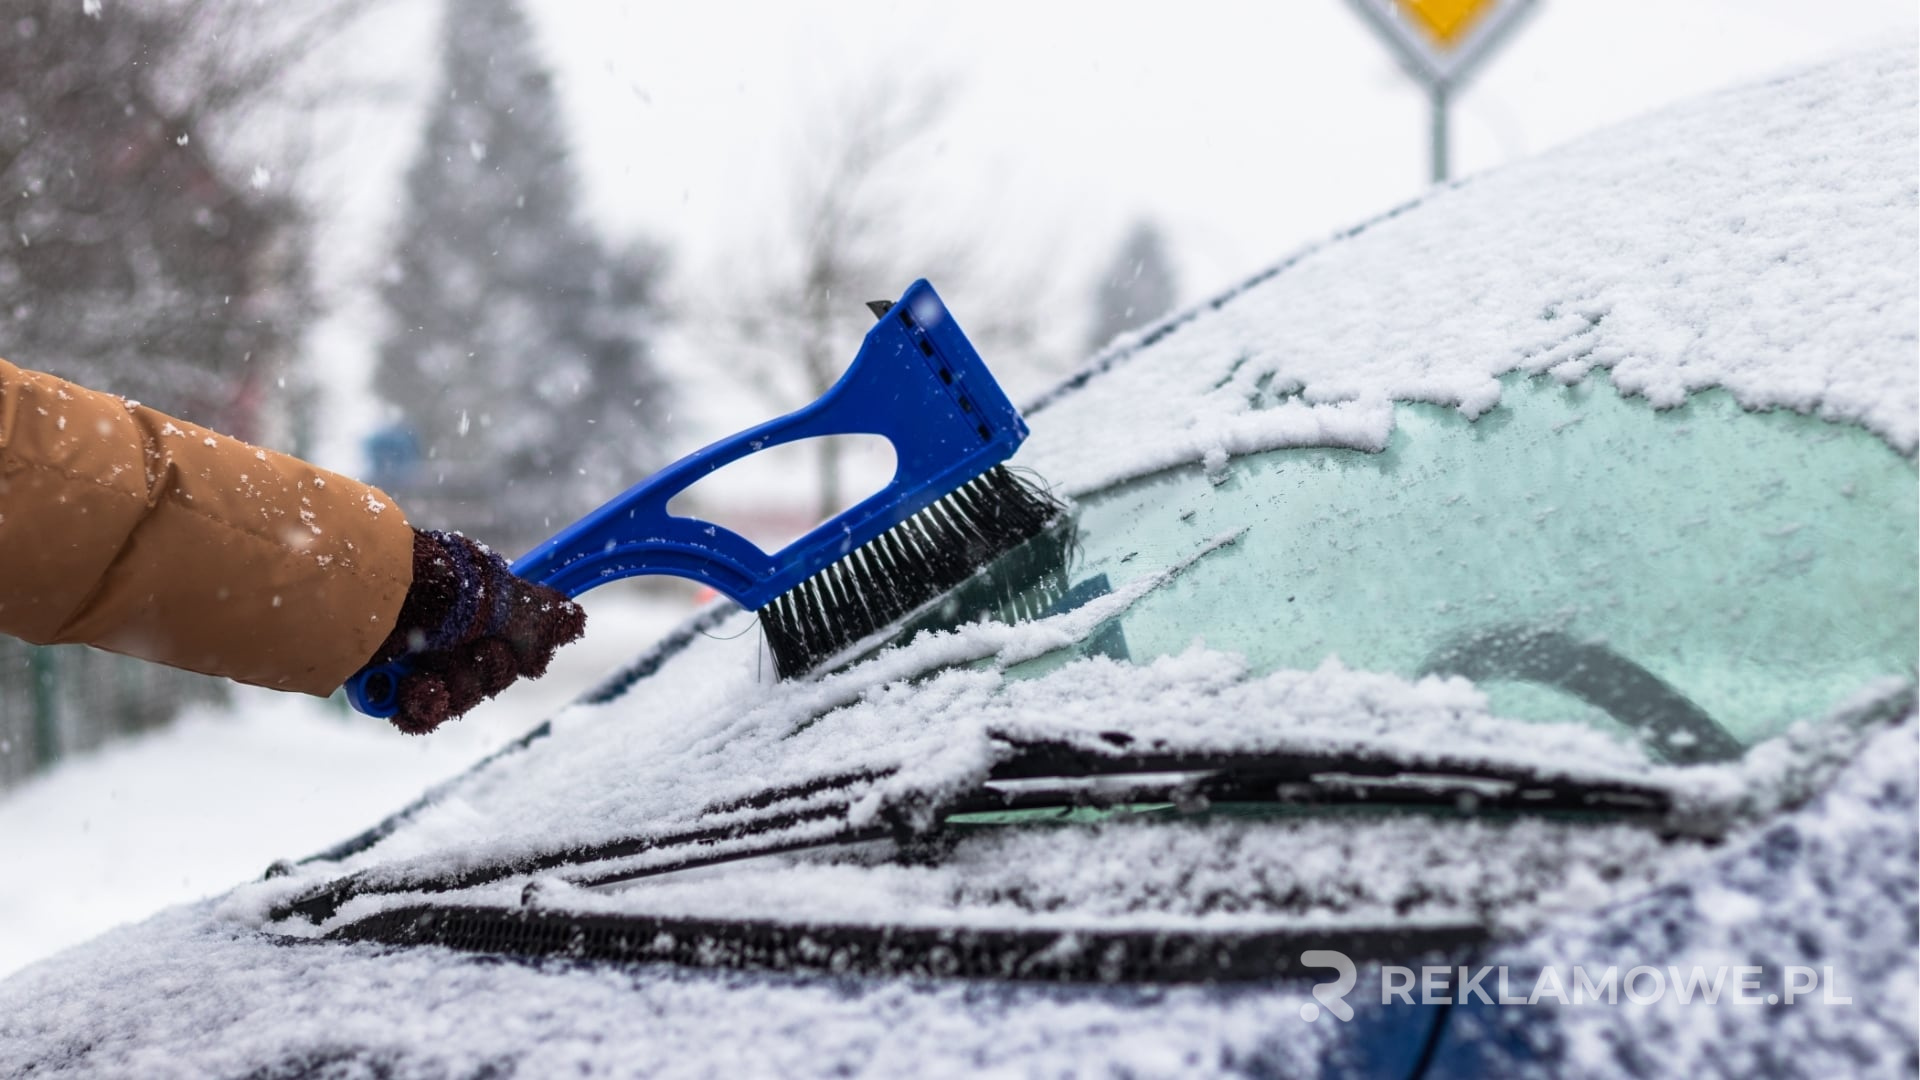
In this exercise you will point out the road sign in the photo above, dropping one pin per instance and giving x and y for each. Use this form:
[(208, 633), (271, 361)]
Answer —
[(1440, 42), (1445, 20)]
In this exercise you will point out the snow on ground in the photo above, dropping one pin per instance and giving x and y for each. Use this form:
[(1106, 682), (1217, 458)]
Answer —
[(192, 810)]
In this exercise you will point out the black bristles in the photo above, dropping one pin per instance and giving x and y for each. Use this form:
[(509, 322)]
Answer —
[(904, 568)]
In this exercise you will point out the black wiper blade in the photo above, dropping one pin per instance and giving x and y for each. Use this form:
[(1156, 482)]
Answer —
[(1031, 775), (1170, 955), (1333, 777)]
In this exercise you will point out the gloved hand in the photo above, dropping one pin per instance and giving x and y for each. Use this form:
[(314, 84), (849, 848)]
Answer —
[(470, 628)]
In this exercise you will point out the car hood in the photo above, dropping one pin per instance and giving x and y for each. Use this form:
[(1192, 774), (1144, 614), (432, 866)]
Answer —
[(197, 991)]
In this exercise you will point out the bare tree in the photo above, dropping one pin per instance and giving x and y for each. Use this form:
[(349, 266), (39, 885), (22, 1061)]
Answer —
[(857, 230)]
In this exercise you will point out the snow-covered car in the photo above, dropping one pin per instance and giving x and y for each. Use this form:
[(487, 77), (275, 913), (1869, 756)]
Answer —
[(1483, 643)]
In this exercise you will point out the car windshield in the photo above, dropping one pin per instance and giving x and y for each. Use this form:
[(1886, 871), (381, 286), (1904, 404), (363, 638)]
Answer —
[(1697, 577)]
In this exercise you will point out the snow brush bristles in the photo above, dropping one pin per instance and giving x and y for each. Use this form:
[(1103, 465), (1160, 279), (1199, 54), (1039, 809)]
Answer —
[(950, 509), (903, 569)]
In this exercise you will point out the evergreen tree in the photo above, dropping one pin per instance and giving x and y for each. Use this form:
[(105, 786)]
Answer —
[(1138, 287), (517, 353)]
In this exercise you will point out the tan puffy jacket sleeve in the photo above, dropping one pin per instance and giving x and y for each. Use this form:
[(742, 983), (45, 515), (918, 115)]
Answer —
[(132, 531)]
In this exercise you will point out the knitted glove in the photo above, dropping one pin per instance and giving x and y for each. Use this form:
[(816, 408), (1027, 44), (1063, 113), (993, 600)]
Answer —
[(470, 628)]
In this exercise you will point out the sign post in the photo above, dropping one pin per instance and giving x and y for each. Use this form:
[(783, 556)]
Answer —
[(1439, 43)]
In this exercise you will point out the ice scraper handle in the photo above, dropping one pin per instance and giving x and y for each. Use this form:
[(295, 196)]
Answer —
[(375, 691), (916, 381)]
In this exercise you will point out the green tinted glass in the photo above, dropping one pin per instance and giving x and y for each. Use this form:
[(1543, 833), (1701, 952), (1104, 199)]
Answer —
[(1702, 575)]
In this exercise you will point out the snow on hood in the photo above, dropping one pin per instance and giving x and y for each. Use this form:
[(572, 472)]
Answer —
[(1760, 240), (196, 992), (1831, 887), (190, 996)]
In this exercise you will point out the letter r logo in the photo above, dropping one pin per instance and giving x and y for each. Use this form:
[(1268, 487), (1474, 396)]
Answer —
[(1329, 994)]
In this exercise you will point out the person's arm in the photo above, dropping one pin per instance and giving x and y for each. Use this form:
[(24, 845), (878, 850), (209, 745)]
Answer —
[(129, 530), (133, 531)]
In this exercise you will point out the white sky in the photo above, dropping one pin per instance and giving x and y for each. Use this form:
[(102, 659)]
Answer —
[(1244, 128)]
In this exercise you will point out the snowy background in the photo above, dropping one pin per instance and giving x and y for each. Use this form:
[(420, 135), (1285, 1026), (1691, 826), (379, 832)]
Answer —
[(1242, 130)]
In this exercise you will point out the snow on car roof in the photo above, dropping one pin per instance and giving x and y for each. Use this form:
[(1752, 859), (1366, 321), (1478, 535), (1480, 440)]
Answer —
[(1758, 240)]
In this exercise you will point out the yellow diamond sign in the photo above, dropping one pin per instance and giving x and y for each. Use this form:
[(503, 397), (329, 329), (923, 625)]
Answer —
[(1440, 42), (1445, 21)]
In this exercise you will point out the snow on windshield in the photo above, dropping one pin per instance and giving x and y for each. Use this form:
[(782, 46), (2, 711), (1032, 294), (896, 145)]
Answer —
[(1770, 255)]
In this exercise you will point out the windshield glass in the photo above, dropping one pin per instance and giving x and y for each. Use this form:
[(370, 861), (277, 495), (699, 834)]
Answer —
[(1701, 576)]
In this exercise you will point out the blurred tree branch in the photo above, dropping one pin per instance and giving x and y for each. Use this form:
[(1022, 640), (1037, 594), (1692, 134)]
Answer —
[(858, 227)]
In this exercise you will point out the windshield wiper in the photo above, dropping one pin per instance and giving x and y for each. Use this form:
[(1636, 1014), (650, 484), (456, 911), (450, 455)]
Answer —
[(1044, 773), (1030, 775), (773, 821), (1026, 954)]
